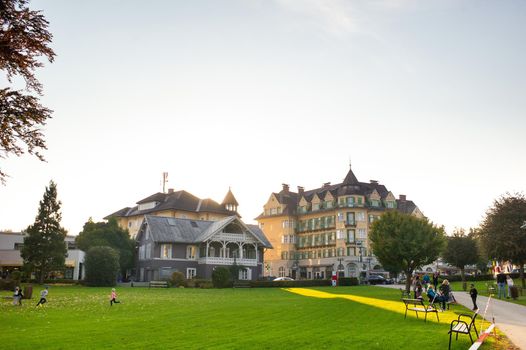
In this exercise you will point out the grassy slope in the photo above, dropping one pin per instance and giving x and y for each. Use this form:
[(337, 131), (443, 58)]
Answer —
[(230, 319)]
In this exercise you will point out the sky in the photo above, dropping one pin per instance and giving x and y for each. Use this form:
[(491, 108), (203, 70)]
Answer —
[(427, 97)]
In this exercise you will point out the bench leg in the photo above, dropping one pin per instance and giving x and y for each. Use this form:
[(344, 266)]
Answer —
[(416, 312), (405, 316), (450, 334), (470, 337), (438, 320), (425, 317)]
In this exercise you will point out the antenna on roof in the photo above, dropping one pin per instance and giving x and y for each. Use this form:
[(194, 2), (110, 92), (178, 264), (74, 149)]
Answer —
[(349, 161), (165, 180)]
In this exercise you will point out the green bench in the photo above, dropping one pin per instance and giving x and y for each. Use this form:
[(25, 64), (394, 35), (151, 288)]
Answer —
[(158, 284)]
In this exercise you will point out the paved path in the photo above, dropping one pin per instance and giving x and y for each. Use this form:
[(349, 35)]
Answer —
[(509, 318)]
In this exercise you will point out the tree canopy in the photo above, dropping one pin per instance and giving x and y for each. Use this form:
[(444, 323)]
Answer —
[(404, 242), (24, 40), (461, 250), (501, 234), (108, 234), (102, 266), (44, 248)]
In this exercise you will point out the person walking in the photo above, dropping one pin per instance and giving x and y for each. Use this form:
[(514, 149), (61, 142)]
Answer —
[(43, 297), (509, 282), (501, 284), (473, 294), (113, 297), (435, 279)]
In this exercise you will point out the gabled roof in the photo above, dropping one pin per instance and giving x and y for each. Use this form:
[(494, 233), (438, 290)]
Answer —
[(179, 200), (405, 206), (229, 198), (174, 230)]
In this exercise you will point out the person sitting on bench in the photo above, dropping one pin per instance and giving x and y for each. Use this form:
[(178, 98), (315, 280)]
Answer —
[(433, 296)]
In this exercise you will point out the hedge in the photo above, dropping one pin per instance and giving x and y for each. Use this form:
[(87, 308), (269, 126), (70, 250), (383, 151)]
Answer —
[(348, 281), (290, 284)]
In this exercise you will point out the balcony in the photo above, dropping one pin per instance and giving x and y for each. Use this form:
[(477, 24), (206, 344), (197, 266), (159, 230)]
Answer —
[(227, 261), (350, 223)]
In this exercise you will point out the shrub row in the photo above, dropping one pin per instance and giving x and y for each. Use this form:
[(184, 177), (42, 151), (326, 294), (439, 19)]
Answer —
[(348, 281), (289, 284), (8, 284)]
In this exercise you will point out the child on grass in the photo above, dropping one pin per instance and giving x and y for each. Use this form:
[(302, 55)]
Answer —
[(43, 296), (113, 297), (17, 296)]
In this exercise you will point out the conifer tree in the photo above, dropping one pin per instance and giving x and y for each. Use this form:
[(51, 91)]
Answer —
[(44, 247)]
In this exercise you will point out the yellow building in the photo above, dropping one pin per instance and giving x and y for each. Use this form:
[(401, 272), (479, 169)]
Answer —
[(326, 229), (176, 204)]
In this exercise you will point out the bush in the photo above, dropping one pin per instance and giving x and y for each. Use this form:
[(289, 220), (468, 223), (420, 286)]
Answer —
[(221, 277), (290, 284), (102, 266), (16, 276), (178, 279), (348, 281), (8, 284)]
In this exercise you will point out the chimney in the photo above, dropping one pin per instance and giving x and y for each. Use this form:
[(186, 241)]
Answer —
[(170, 190), (285, 187), (326, 185), (374, 182), (301, 189), (402, 197)]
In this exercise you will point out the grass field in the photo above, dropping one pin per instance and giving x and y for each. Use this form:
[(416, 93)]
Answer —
[(483, 289), (333, 318)]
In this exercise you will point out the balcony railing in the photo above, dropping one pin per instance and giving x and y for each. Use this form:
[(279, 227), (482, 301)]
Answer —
[(227, 261)]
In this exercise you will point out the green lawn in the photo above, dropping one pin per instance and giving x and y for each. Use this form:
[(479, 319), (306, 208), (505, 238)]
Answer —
[(81, 318), (483, 289)]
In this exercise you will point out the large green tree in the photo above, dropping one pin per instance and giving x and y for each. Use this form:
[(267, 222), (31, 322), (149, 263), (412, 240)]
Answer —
[(102, 266), (461, 250), (108, 234), (405, 242), (24, 41), (501, 234), (44, 248)]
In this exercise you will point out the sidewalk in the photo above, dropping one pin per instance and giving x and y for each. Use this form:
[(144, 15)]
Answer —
[(509, 318)]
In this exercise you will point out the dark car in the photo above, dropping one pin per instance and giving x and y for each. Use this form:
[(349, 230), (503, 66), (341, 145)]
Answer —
[(379, 279)]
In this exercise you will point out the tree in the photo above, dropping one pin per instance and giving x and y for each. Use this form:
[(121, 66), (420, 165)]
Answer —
[(24, 39), (501, 234), (44, 248), (461, 250), (108, 234), (102, 266), (404, 242), (221, 277)]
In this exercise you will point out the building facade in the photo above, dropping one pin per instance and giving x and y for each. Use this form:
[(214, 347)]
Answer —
[(176, 204), (10, 260), (196, 247), (326, 229)]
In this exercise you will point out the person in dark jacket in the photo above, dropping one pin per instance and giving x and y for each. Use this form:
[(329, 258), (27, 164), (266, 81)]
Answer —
[(473, 293), (435, 279), (501, 284)]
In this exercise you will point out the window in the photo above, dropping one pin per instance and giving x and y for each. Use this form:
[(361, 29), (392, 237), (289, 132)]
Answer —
[(339, 234), (350, 236), (360, 216), (375, 203), (129, 224), (148, 251), (390, 204), (273, 211), (191, 252), (362, 234), (245, 274), (281, 271), (360, 201), (191, 272), (284, 255), (328, 204), (166, 251), (350, 218), (350, 201), (316, 206), (142, 253)]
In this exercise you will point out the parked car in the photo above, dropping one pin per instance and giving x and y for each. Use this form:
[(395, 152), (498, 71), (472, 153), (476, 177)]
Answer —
[(379, 279), (283, 279)]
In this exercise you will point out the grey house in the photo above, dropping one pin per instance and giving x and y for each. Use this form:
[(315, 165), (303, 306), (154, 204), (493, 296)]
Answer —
[(196, 247)]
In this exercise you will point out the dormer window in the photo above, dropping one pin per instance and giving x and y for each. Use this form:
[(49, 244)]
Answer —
[(390, 204), (375, 203), (315, 206), (148, 205)]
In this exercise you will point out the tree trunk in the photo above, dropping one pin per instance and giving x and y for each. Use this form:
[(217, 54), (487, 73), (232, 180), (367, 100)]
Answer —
[(408, 281), (463, 278), (521, 272)]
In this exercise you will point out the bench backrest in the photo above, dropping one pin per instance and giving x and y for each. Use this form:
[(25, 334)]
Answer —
[(413, 301)]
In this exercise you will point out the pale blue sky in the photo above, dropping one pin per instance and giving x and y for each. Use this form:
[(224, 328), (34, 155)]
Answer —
[(428, 97)]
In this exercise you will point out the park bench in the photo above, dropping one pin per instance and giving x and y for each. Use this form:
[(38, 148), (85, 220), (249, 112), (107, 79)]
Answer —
[(418, 305), (158, 284), (459, 326), (241, 284)]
